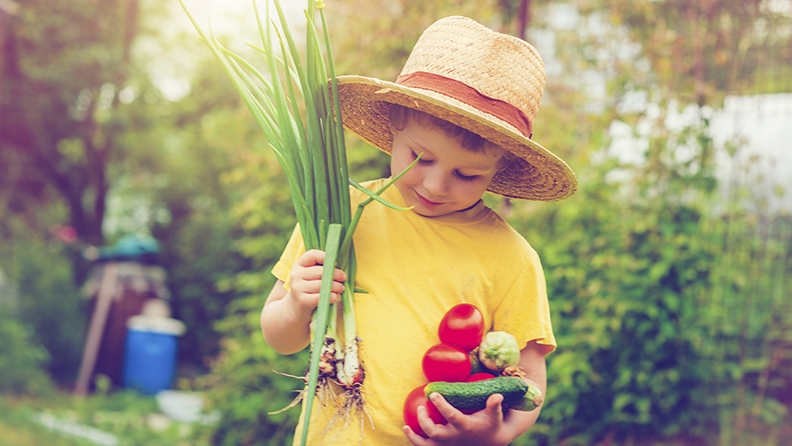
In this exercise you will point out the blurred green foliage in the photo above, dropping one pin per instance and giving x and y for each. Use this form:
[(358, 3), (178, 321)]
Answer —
[(125, 418), (46, 301), (625, 275), (89, 141), (22, 362)]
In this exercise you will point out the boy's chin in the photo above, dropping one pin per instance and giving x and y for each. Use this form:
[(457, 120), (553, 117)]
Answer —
[(425, 211)]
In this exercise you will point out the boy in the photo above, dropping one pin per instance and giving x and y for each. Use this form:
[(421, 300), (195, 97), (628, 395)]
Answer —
[(466, 100)]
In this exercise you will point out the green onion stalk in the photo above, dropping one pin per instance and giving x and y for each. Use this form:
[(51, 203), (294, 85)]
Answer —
[(310, 148)]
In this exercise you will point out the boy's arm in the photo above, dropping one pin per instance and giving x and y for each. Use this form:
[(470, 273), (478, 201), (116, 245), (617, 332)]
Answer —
[(286, 316), (532, 361), (284, 330), (490, 426)]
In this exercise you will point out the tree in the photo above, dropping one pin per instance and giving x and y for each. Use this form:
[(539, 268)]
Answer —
[(89, 141), (701, 51), (66, 66)]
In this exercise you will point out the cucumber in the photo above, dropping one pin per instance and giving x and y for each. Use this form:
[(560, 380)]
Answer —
[(472, 396)]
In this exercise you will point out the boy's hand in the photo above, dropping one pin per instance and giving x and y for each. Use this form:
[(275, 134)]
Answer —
[(480, 428), (286, 316), (306, 281)]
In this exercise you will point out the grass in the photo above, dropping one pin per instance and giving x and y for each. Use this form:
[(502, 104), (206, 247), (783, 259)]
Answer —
[(27, 434), (17, 427), (132, 418)]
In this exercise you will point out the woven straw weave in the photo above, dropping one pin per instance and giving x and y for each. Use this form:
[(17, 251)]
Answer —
[(458, 48), (496, 65)]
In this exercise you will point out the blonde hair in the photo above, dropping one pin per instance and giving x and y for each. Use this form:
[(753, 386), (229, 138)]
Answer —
[(400, 115)]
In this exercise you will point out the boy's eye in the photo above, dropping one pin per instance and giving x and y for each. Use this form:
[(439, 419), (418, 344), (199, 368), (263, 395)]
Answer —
[(422, 161), (464, 177)]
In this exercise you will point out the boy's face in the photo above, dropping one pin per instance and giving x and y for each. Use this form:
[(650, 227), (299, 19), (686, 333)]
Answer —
[(448, 178)]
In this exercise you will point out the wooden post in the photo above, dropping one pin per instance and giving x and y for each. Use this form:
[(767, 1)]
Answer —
[(103, 301)]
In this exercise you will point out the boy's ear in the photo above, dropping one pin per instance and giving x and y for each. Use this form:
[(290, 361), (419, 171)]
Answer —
[(391, 127)]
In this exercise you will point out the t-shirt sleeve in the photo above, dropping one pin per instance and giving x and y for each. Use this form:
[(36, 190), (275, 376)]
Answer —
[(525, 311), (294, 249)]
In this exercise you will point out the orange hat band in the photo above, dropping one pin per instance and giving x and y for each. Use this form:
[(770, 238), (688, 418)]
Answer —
[(470, 96)]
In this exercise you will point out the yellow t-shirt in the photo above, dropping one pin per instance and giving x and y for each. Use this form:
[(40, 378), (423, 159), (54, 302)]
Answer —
[(415, 269)]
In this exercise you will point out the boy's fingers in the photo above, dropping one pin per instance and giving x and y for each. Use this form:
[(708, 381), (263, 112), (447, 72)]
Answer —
[(494, 407), (414, 438), (432, 430), (449, 412), (313, 261), (311, 257)]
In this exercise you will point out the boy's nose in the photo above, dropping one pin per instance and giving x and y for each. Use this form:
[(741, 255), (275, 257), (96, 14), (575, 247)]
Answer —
[(436, 184)]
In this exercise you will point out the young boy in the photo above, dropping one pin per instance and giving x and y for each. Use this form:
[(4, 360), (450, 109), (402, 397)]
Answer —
[(466, 101)]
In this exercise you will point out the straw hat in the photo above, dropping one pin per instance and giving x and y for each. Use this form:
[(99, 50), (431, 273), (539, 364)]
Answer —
[(486, 82)]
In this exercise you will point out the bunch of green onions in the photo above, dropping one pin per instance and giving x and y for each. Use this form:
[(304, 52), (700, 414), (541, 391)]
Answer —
[(312, 153)]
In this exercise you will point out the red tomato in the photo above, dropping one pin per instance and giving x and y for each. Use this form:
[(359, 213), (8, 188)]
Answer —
[(414, 400), (462, 325), (445, 362), (480, 376)]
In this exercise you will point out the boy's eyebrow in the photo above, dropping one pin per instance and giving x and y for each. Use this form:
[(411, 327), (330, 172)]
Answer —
[(423, 149), (418, 148), (481, 169)]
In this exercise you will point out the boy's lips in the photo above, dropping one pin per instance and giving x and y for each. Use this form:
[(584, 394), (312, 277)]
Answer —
[(427, 202)]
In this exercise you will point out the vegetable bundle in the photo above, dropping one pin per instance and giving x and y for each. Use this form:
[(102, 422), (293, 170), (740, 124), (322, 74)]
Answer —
[(467, 366), (309, 145)]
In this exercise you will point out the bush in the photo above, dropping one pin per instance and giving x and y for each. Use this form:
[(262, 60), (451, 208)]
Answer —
[(48, 301), (40, 269), (623, 279), (669, 316), (22, 362), (246, 383)]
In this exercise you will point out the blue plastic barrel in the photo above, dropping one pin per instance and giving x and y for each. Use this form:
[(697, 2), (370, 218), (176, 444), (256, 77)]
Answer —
[(150, 357)]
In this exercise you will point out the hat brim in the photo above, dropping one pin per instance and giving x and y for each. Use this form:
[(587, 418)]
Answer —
[(537, 174)]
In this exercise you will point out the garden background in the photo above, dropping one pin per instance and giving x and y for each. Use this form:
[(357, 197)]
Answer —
[(668, 271)]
